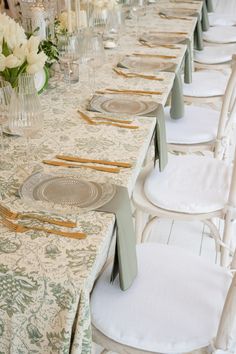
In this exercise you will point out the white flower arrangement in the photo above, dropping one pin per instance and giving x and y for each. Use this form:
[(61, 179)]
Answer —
[(108, 4), (17, 53)]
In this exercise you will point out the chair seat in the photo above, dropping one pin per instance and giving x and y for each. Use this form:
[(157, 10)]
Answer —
[(216, 19), (199, 125), (189, 184), (206, 83), (215, 55), (220, 34), (173, 306)]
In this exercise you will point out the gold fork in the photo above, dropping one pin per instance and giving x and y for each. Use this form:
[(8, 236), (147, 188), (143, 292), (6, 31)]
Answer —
[(23, 228), (9, 214)]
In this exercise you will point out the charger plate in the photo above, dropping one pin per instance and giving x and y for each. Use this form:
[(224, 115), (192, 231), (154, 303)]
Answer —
[(179, 12), (159, 39), (144, 64), (67, 190), (122, 105)]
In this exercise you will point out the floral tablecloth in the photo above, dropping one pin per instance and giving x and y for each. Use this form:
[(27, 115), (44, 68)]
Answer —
[(45, 280)]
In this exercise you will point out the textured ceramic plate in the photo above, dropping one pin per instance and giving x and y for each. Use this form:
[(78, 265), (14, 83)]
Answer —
[(67, 190), (178, 12), (122, 105), (144, 64), (162, 39)]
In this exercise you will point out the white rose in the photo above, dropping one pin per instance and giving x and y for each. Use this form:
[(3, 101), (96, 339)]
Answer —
[(2, 62), (11, 61), (34, 58), (34, 68), (13, 33), (33, 43), (21, 53)]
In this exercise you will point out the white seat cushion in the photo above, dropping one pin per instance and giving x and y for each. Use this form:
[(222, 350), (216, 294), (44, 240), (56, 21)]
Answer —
[(173, 306), (206, 83), (220, 34), (215, 55), (199, 125), (217, 19), (189, 184)]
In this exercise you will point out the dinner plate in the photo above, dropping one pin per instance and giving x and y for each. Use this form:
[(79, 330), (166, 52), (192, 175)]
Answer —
[(162, 38), (179, 12), (67, 190), (122, 105), (144, 63)]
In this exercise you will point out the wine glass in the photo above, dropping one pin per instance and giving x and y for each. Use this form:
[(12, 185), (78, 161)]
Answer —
[(113, 28), (5, 96), (136, 6), (93, 55), (25, 113), (68, 48)]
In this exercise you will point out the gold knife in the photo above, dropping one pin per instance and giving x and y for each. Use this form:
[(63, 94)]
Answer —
[(71, 165), (154, 55), (102, 162), (131, 92)]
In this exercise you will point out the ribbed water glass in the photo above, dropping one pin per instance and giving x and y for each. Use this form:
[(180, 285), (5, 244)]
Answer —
[(25, 113)]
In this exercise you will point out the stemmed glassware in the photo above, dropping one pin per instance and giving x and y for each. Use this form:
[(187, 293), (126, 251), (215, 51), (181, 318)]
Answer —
[(68, 47), (25, 113), (135, 7), (93, 55), (5, 96)]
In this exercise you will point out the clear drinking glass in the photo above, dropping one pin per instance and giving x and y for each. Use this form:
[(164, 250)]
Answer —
[(113, 28), (5, 96), (93, 55), (136, 6), (68, 47), (25, 113)]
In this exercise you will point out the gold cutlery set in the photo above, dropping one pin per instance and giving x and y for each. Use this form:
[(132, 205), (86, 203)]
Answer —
[(6, 214), (101, 120), (133, 75), (79, 162), (129, 92)]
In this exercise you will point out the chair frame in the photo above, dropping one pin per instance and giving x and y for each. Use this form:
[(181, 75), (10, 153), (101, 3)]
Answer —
[(220, 145), (228, 214)]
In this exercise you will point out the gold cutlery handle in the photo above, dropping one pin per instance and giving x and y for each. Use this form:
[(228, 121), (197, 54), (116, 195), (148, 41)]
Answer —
[(70, 165), (75, 235), (113, 120), (103, 162), (162, 56), (46, 219), (129, 92)]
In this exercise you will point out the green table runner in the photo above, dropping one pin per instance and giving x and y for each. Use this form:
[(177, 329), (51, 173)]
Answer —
[(177, 99), (209, 5), (198, 40), (205, 19), (125, 259), (160, 145)]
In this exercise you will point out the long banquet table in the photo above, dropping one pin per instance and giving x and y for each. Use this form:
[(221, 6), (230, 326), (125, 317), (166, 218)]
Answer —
[(45, 280)]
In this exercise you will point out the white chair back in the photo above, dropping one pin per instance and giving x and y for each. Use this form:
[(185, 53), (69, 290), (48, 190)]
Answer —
[(228, 112)]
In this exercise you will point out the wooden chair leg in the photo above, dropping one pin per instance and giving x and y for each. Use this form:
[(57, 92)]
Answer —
[(228, 232), (147, 229), (139, 224), (214, 233)]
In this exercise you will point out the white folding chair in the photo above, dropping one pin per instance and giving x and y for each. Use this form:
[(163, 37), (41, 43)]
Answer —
[(220, 34), (207, 86), (204, 129), (191, 188), (215, 57), (178, 303)]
